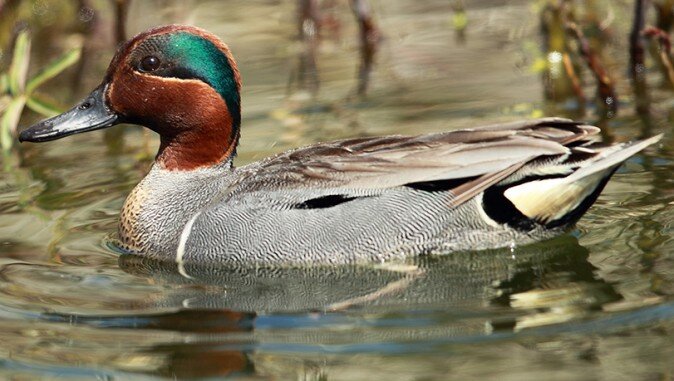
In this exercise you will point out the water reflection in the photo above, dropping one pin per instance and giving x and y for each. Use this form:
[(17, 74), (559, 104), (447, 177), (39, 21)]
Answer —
[(457, 279), (202, 320)]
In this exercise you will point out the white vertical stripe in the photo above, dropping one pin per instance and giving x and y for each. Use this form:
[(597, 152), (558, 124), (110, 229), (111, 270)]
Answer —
[(483, 215), (181, 245)]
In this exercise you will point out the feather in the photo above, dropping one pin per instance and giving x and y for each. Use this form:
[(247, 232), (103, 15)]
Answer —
[(477, 158), (551, 199)]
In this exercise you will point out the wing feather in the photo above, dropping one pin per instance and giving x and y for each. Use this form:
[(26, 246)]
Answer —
[(482, 156)]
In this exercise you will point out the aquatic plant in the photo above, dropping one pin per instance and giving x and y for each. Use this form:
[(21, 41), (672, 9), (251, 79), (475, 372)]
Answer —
[(18, 92), (568, 41)]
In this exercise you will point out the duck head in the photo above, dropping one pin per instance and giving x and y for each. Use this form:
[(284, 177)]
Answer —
[(179, 81)]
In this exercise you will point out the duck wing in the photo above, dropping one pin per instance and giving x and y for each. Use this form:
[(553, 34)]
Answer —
[(471, 159)]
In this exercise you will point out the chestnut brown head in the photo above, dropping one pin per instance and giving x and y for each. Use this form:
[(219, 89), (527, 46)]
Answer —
[(179, 81)]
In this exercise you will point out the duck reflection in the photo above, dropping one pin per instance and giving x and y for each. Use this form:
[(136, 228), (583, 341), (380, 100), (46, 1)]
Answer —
[(202, 321), (502, 277), (478, 293), (202, 360)]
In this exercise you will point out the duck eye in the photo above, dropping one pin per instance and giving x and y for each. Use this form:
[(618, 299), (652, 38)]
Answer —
[(149, 63)]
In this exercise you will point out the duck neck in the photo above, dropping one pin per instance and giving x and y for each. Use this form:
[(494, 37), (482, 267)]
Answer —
[(196, 149), (192, 140)]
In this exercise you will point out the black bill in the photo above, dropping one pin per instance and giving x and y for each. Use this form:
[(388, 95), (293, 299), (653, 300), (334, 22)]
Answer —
[(88, 115)]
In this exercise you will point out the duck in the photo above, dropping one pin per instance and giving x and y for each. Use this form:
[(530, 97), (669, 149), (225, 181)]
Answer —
[(364, 199)]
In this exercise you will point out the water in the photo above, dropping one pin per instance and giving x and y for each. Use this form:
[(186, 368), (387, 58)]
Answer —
[(593, 304)]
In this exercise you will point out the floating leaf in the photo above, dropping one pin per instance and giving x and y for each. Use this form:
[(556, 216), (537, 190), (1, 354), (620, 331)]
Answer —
[(54, 68), (9, 121), (18, 69), (459, 20), (42, 106), (537, 113)]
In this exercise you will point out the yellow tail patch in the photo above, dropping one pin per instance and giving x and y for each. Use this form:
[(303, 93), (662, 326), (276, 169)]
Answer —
[(551, 199)]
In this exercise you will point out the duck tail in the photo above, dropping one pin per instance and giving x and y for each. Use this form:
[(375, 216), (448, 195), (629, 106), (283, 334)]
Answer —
[(560, 201)]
